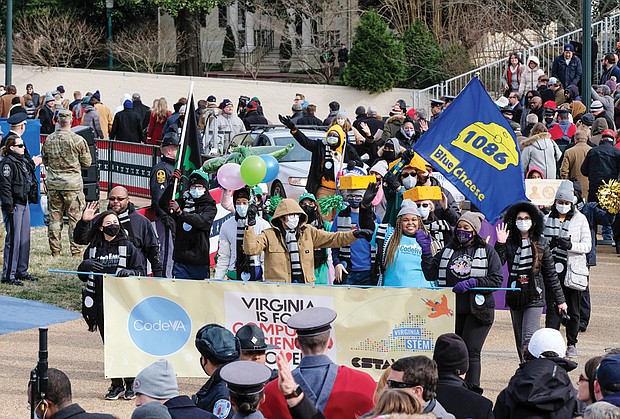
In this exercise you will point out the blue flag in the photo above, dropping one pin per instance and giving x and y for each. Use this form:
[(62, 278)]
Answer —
[(474, 147)]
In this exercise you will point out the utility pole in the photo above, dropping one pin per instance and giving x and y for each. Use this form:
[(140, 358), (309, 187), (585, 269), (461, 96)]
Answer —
[(8, 67), (586, 56)]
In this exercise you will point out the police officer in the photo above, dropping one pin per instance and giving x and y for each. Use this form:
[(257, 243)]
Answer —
[(64, 155), (217, 347), (161, 174), (246, 383), (253, 346), (18, 188), (436, 110)]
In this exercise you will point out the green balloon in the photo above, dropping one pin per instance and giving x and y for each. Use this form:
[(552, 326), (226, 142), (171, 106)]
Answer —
[(253, 170)]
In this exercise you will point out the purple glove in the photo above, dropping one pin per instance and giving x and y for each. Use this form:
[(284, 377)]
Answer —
[(464, 286), (424, 240)]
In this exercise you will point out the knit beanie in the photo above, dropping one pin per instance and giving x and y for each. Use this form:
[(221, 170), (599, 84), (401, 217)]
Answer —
[(566, 191), (152, 410), (451, 354), (157, 381), (408, 207), (474, 219), (241, 193)]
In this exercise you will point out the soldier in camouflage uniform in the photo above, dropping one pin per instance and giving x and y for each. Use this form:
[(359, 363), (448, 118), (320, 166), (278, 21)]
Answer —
[(64, 155)]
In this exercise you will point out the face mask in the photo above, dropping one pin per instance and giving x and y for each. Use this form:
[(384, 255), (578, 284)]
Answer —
[(242, 210), (407, 132), (112, 230), (332, 140), (524, 225), (196, 193), (340, 121), (562, 209), (409, 182), (292, 221), (354, 202), (424, 212), (389, 155), (310, 212), (464, 236)]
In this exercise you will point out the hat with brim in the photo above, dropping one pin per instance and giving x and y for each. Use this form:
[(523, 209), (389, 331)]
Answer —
[(312, 321), (245, 377), (252, 339)]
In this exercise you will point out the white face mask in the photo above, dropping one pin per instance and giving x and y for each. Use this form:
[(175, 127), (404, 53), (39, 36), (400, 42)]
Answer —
[(409, 182), (408, 132), (524, 225), (196, 193), (292, 221), (562, 208), (424, 212), (331, 140), (242, 210)]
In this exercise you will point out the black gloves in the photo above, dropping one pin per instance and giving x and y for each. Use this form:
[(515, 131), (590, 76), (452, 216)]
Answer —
[(407, 156), (91, 265), (8, 209), (286, 121), (125, 273), (370, 194), (391, 181), (351, 165), (564, 243), (367, 234), (251, 215)]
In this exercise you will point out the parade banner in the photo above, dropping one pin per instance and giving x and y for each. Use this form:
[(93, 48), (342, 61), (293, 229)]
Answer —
[(474, 147), (148, 319)]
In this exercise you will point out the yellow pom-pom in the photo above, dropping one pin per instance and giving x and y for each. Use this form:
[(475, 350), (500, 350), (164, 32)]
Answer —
[(609, 196)]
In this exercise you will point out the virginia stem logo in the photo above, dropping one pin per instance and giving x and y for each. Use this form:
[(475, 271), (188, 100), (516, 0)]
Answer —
[(159, 326)]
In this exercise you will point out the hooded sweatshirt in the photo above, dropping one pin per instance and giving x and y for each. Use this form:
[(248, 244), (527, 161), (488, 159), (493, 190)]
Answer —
[(529, 77), (540, 150)]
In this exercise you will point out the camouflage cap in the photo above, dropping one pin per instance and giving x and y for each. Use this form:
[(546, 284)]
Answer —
[(64, 114)]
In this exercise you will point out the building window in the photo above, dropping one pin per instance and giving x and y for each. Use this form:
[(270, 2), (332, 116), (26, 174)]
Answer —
[(222, 16)]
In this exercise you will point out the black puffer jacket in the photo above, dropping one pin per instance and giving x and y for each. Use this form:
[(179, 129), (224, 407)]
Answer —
[(541, 388), (543, 277), (18, 184)]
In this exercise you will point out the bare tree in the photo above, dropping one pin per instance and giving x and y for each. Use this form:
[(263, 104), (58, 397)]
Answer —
[(140, 49), (71, 43)]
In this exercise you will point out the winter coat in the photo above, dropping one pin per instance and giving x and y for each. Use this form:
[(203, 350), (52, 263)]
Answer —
[(272, 242), (127, 127), (540, 150), (391, 127), (253, 118), (317, 148), (567, 73), (602, 163), (579, 233), (156, 129), (456, 396), (46, 117), (143, 112), (572, 161), (91, 119), (18, 184), (540, 388), (608, 105), (105, 117), (612, 71), (529, 77)]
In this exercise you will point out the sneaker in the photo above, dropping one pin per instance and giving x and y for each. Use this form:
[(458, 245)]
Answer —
[(114, 393), (571, 351), (129, 395)]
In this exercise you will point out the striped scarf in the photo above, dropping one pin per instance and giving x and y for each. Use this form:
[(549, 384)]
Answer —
[(297, 274), (479, 264), (522, 265), (555, 228), (438, 230), (245, 265), (123, 218), (343, 222)]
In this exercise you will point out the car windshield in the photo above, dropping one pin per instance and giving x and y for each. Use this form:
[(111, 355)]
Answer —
[(298, 153)]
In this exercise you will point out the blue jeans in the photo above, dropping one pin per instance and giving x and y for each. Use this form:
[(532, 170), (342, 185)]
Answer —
[(186, 271), (358, 278)]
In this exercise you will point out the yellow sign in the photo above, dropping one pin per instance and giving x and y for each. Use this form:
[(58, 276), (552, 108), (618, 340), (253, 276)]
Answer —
[(489, 142), (148, 319)]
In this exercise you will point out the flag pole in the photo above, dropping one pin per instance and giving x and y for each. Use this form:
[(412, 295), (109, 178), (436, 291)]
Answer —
[(182, 142)]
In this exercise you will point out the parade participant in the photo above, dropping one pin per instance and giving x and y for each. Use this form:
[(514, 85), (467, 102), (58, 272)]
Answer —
[(541, 386), (18, 188), (253, 346), (232, 262), (161, 174), (308, 204), (136, 227), (400, 178), (193, 213), (453, 391), (291, 243), (246, 386), (64, 155), (354, 264), (336, 391), (570, 241), (401, 249), (379, 170), (328, 158), (521, 245), (158, 383), (445, 209), (57, 402), (217, 347), (468, 262), (108, 252)]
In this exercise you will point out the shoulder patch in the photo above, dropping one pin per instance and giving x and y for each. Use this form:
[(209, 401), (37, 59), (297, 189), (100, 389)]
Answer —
[(221, 409), (160, 176), (6, 170)]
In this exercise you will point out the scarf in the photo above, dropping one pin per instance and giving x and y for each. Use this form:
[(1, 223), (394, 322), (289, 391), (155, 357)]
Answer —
[(320, 255), (245, 265), (479, 264), (520, 276), (123, 218), (555, 228), (343, 222), (297, 274)]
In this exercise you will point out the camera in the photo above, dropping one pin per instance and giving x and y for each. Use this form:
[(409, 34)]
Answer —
[(241, 104)]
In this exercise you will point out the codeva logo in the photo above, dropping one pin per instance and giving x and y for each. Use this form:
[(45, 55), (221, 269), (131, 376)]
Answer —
[(159, 326)]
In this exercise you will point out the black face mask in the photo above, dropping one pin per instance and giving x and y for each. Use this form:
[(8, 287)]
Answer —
[(112, 230), (389, 155), (310, 212)]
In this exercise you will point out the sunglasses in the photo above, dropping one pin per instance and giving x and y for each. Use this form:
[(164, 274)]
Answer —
[(18, 145), (582, 378), (116, 198), (406, 175), (400, 384), (426, 205)]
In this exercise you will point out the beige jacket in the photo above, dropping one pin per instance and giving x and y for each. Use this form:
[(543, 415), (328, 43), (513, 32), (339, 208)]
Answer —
[(105, 119), (271, 241), (571, 165)]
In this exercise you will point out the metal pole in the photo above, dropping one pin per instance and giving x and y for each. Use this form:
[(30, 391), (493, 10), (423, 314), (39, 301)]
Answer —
[(8, 67), (110, 54), (586, 57)]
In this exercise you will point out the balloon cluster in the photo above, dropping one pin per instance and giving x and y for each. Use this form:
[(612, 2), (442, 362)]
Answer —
[(609, 196), (252, 171)]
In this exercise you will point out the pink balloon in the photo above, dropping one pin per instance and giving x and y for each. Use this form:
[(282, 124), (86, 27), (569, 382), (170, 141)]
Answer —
[(229, 176)]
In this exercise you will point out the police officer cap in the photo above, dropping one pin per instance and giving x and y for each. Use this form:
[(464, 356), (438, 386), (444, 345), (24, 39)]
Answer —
[(170, 138), (17, 118), (437, 102), (251, 338), (218, 343), (563, 111), (245, 377), (449, 98), (312, 321)]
